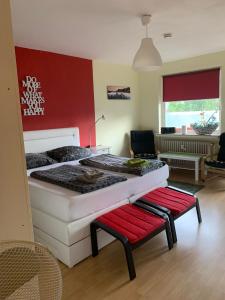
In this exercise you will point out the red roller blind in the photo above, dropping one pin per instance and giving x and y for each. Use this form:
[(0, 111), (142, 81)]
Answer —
[(191, 86)]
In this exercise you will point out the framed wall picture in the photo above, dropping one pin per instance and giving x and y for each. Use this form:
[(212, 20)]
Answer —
[(115, 92)]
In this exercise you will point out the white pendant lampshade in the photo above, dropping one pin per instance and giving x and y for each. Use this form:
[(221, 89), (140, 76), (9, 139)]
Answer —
[(147, 57)]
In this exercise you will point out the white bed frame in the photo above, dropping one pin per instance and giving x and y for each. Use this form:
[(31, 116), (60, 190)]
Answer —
[(54, 237), (43, 140)]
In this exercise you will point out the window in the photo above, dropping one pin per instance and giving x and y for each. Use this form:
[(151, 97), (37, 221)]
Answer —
[(190, 98), (179, 113)]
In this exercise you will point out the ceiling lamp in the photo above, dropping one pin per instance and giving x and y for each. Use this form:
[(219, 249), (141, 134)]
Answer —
[(147, 57)]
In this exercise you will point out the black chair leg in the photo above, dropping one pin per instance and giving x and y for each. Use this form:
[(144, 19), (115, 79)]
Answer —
[(169, 235), (94, 241), (173, 228), (130, 261), (198, 211)]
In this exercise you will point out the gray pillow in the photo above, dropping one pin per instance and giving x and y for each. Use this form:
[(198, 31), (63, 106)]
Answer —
[(35, 160), (68, 153)]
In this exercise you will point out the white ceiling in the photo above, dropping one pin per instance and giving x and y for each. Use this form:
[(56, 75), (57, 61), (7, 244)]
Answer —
[(110, 30)]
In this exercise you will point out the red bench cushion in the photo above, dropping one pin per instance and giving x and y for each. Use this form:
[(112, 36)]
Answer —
[(132, 222), (175, 201)]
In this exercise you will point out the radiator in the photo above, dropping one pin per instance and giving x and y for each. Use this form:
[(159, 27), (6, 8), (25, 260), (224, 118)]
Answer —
[(186, 145), (198, 147)]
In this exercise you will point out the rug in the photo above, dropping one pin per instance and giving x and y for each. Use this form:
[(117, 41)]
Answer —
[(192, 188)]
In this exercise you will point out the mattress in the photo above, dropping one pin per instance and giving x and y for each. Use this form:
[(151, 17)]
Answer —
[(69, 206)]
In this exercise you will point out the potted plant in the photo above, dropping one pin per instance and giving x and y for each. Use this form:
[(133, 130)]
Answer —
[(205, 127)]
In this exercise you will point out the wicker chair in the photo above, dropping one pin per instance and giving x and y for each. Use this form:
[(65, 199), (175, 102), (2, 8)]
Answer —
[(28, 271)]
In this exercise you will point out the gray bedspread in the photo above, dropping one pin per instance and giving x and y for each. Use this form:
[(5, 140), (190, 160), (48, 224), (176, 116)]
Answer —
[(67, 177), (116, 163)]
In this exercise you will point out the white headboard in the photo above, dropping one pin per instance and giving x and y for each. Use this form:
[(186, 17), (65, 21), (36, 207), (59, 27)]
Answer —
[(43, 140)]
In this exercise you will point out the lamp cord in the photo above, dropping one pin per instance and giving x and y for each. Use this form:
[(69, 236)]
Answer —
[(92, 127), (146, 28)]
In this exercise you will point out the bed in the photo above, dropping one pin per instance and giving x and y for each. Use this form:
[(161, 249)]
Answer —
[(61, 217)]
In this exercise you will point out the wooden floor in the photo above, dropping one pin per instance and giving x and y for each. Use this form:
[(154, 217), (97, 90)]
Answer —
[(193, 270)]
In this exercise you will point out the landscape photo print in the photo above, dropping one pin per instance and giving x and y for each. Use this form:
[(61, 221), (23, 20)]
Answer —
[(115, 92)]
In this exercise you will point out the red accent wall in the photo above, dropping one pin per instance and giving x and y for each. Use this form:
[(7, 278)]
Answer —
[(67, 86)]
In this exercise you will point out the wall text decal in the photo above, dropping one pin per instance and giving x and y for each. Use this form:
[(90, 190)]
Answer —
[(32, 97)]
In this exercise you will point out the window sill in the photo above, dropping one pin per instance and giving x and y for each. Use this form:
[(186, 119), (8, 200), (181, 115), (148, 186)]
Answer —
[(189, 136)]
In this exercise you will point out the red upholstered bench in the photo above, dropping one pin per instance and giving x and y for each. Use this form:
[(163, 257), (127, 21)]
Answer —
[(173, 202), (132, 225)]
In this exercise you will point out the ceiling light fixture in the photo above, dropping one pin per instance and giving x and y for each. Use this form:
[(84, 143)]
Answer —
[(167, 35), (147, 57)]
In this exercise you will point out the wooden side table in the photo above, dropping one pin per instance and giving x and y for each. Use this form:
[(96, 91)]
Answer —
[(196, 158)]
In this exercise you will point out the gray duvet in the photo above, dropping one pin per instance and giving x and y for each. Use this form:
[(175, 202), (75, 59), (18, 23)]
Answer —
[(116, 163), (67, 177)]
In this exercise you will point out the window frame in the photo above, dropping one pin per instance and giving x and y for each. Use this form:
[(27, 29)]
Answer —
[(163, 118)]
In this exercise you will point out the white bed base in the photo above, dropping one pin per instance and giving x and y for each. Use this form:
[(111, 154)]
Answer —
[(74, 254), (58, 236), (68, 233), (52, 232), (61, 240)]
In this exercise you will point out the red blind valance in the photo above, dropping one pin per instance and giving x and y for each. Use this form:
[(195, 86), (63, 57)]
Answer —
[(191, 86)]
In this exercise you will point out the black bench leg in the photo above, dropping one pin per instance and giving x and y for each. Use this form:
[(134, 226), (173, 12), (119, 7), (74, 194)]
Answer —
[(168, 235), (94, 241), (198, 211), (172, 227), (130, 261), (127, 248)]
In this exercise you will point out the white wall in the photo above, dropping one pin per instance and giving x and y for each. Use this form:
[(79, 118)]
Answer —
[(150, 86), (144, 110), (15, 214), (121, 115)]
